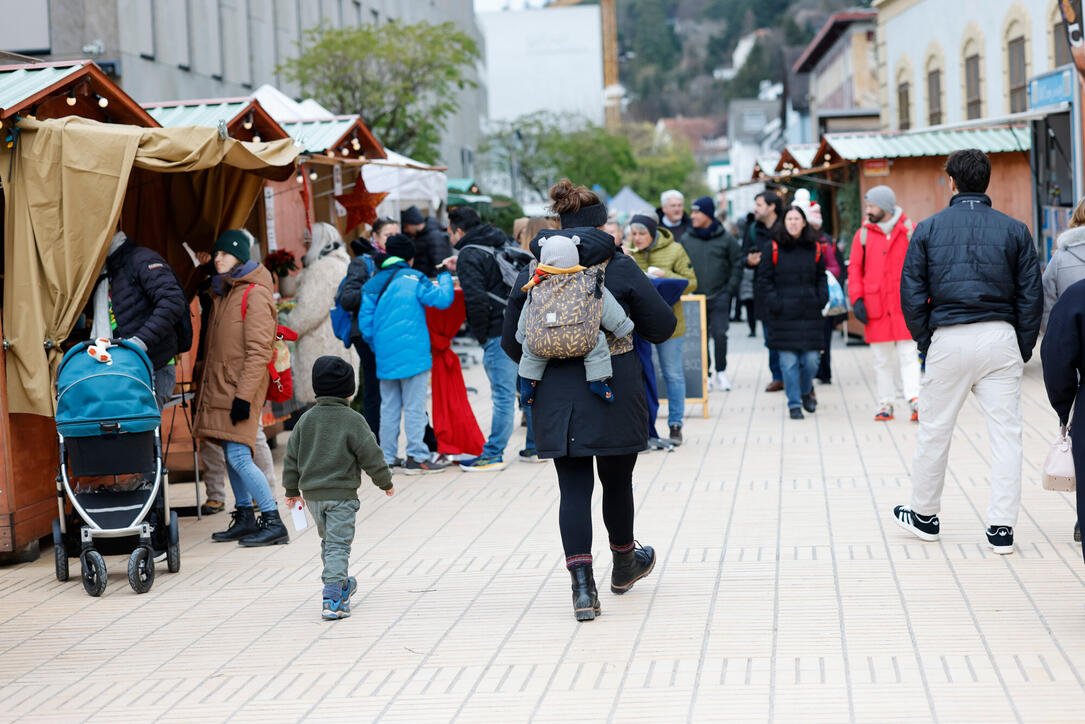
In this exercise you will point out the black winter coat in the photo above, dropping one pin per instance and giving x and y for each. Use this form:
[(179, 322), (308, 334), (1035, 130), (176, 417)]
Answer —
[(1063, 355), (969, 263), (570, 420), (431, 246), (790, 296), (148, 301), (358, 273), (479, 277)]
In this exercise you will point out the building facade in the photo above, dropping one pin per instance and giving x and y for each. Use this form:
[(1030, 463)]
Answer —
[(974, 60), (160, 50)]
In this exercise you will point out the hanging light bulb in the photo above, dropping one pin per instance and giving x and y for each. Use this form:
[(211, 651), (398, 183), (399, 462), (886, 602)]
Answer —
[(102, 101), (345, 151), (255, 138), (247, 124), (300, 178), (312, 175), (71, 98), (355, 143)]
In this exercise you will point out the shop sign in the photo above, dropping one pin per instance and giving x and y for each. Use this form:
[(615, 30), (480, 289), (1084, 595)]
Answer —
[(876, 167), (269, 217), (1051, 89)]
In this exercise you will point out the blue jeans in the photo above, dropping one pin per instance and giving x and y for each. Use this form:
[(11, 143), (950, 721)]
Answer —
[(246, 480), (774, 355), (529, 436), (407, 397), (799, 367), (502, 372), (670, 363)]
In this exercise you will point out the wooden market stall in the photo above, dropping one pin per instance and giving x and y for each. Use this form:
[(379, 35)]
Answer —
[(67, 182)]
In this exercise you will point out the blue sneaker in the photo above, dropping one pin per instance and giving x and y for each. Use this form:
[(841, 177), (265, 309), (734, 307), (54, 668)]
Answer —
[(344, 600), (483, 465)]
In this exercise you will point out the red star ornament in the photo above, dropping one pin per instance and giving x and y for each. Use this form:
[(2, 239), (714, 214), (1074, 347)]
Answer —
[(361, 205)]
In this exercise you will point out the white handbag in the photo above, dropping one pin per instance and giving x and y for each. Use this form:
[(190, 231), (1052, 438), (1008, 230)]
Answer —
[(1058, 470)]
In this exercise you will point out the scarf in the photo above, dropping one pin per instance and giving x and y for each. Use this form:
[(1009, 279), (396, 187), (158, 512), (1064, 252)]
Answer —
[(708, 232), (888, 225), (544, 270), (218, 282)]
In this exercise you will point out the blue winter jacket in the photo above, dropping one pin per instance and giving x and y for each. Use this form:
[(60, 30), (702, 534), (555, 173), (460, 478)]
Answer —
[(395, 327)]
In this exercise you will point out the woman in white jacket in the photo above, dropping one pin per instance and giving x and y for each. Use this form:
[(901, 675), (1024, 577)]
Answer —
[(325, 264)]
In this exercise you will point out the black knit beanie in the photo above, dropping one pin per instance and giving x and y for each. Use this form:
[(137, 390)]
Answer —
[(593, 216), (333, 377), (400, 245), (648, 222)]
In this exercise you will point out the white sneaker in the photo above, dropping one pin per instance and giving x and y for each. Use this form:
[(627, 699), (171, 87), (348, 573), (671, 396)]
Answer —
[(722, 382), (711, 383)]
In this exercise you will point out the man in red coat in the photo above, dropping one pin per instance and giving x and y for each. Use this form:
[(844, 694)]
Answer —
[(877, 258)]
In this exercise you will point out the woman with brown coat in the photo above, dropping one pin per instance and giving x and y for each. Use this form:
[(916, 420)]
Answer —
[(239, 340)]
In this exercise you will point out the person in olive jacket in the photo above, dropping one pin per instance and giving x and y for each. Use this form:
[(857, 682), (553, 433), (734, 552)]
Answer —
[(239, 340), (657, 254), (718, 262), (972, 298), (577, 428), (792, 290)]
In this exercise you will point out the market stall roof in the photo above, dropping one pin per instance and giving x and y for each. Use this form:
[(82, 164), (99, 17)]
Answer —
[(407, 182), (336, 134), (860, 146), (67, 88), (799, 155), (627, 201), (245, 118), (285, 109), (462, 185), (765, 165)]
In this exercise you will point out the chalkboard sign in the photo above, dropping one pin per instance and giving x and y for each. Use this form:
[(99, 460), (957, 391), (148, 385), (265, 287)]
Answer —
[(694, 354)]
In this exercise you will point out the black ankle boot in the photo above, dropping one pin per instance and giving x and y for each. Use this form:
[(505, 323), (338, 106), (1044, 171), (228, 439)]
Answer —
[(271, 531), (631, 567), (585, 596), (242, 523)]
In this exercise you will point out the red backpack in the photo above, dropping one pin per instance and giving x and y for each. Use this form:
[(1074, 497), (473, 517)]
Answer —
[(776, 253), (281, 386)]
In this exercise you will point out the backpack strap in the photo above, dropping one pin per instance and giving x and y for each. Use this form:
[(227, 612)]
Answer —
[(863, 231), (775, 253), (275, 376), (909, 227), (245, 301), (817, 253)]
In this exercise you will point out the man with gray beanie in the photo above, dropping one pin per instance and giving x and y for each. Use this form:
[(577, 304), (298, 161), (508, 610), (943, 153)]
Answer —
[(877, 258)]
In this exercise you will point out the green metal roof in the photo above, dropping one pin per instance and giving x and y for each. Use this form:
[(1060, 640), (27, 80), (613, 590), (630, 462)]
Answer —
[(198, 114), (319, 136), (18, 85), (461, 185), (859, 146)]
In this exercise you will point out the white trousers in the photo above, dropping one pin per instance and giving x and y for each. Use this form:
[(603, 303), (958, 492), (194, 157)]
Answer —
[(896, 370), (214, 465), (984, 359)]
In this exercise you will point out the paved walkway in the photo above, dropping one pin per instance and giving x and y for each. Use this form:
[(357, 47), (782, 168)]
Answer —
[(783, 593)]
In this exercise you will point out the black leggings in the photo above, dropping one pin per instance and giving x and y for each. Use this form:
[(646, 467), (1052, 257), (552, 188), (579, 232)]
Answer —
[(576, 479), (750, 318)]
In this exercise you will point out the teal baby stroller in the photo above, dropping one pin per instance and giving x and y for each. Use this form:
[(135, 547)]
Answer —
[(108, 428)]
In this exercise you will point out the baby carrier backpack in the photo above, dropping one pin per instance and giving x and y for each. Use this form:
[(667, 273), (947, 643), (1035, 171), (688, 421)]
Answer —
[(564, 312)]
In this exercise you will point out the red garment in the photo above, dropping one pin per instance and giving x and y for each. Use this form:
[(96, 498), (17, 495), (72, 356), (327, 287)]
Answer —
[(828, 248), (453, 421), (875, 277)]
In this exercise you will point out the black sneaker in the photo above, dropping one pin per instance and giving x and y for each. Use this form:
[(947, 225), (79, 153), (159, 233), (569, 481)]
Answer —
[(809, 402), (796, 413), (413, 467), (922, 527), (676, 435), (1000, 538)]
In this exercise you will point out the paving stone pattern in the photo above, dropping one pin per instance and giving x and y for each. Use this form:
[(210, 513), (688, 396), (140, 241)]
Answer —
[(783, 592)]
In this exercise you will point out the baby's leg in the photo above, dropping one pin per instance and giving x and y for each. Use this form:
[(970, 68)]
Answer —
[(531, 370), (598, 369)]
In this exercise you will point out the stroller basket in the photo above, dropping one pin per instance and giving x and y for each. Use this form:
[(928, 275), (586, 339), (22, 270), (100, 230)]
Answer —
[(111, 454)]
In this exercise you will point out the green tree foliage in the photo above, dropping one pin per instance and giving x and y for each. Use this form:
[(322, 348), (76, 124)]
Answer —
[(661, 165), (402, 79), (503, 212)]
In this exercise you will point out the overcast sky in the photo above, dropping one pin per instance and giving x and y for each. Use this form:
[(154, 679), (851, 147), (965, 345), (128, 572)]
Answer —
[(485, 6)]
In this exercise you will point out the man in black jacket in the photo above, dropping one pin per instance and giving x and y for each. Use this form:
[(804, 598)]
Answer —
[(139, 298), (484, 297), (972, 297), (431, 243)]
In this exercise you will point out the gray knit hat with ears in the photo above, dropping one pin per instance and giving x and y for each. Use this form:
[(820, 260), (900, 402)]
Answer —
[(560, 251)]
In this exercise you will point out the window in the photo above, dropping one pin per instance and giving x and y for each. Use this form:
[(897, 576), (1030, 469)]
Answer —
[(1062, 45), (973, 98), (1018, 83), (934, 97), (904, 106)]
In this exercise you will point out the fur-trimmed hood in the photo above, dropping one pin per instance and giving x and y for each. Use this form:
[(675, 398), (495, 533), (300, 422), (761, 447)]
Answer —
[(1072, 237)]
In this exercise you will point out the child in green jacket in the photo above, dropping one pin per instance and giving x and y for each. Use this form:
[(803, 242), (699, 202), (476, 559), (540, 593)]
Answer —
[(329, 447)]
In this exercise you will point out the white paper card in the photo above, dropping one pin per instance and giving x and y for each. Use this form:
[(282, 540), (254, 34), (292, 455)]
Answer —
[(300, 521)]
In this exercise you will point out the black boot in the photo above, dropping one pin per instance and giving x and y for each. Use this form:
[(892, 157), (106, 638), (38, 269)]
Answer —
[(631, 567), (242, 523), (271, 531), (585, 596)]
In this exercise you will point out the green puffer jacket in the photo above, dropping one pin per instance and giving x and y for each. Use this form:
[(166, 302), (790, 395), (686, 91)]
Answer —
[(668, 255)]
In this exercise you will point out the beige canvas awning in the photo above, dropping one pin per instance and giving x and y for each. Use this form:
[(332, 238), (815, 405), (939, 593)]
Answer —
[(65, 185)]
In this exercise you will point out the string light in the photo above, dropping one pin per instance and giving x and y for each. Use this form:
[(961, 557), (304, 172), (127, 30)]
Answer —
[(300, 178), (312, 175), (247, 124), (345, 151), (255, 138), (71, 98), (102, 101)]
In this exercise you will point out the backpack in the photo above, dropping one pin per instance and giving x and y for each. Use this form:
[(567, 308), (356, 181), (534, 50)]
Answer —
[(511, 260), (280, 387), (342, 320), (776, 253), (564, 312)]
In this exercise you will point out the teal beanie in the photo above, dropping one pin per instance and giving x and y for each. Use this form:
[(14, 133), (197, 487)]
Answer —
[(235, 242)]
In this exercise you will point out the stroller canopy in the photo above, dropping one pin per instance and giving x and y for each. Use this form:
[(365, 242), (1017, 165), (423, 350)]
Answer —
[(95, 398)]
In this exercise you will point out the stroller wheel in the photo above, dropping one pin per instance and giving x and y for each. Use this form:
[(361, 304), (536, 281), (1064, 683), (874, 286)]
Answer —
[(173, 548), (141, 569), (60, 552), (94, 572)]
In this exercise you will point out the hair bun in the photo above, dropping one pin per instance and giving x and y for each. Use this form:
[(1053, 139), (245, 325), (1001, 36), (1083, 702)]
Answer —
[(569, 198)]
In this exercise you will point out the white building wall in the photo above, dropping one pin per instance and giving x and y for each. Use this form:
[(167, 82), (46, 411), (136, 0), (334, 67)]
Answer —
[(912, 31), (544, 60)]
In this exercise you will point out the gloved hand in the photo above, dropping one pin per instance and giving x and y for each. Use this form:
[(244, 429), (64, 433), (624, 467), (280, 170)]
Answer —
[(239, 411), (860, 311)]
